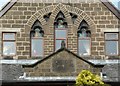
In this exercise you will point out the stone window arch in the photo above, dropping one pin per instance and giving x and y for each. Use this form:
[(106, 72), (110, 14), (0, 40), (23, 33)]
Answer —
[(84, 39), (36, 37), (60, 26)]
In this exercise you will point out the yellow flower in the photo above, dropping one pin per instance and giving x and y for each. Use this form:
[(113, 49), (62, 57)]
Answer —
[(87, 78)]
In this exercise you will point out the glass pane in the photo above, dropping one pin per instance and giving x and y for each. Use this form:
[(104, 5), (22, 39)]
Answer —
[(37, 47), (60, 24), (9, 48), (37, 33), (111, 47), (84, 34), (60, 34), (84, 47), (32, 34), (58, 44), (80, 34), (9, 36), (110, 36)]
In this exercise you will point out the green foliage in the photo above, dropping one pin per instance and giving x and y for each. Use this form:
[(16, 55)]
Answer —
[(86, 78)]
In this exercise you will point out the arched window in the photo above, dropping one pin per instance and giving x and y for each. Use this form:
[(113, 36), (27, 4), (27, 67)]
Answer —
[(84, 39), (60, 25), (36, 36)]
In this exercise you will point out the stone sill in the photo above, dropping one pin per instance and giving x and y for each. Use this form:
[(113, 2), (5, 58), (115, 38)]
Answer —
[(32, 61), (69, 78)]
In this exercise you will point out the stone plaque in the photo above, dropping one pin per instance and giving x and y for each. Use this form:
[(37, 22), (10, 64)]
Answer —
[(62, 65)]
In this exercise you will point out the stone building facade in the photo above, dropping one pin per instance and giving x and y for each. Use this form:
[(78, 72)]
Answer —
[(62, 63), (22, 17)]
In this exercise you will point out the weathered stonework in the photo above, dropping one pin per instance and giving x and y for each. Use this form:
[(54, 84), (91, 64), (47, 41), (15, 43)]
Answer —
[(23, 15), (10, 72), (61, 63)]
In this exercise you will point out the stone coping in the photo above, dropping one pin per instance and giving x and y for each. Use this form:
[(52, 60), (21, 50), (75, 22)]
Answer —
[(104, 62), (21, 62), (58, 78), (29, 62), (55, 78)]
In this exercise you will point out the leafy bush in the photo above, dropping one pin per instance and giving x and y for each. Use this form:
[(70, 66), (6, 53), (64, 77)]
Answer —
[(86, 78)]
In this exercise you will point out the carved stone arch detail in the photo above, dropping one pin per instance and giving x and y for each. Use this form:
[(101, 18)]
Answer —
[(74, 10), (35, 17), (62, 8), (46, 9), (39, 15), (65, 9), (84, 16)]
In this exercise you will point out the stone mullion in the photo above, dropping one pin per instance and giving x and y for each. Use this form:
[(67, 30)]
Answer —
[(72, 40), (49, 39)]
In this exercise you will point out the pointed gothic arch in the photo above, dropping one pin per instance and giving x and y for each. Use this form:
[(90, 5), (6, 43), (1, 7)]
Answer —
[(60, 30), (66, 10), (84, 39), (36, 39), (90, 22), (62, 8)]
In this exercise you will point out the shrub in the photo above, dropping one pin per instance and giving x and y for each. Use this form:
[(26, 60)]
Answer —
[(86, 78)]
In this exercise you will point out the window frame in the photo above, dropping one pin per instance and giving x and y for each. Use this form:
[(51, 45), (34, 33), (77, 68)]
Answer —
[(9, 40), (33, 35), (42, 38), (111, 40), (60, 38), (84, 38)]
